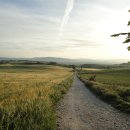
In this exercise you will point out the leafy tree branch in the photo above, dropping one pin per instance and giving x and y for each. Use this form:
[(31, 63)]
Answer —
[(127, 40)]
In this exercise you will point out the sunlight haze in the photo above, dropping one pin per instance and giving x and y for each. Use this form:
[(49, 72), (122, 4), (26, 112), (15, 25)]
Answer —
[(42, 28)]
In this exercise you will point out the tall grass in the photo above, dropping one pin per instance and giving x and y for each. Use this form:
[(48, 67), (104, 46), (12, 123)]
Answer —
[(28, 96), (111, 85)]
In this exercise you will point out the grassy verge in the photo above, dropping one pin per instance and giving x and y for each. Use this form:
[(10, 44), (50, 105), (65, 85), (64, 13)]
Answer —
[(111, 86), (28, 96)]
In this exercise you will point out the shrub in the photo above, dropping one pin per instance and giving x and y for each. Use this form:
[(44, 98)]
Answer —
[(92, 78)]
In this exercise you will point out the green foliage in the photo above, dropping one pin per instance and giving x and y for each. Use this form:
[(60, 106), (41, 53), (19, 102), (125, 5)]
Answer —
[(127, 35), (128, 23), (73, 67), (112, 85), (128, 48), (92, 78)]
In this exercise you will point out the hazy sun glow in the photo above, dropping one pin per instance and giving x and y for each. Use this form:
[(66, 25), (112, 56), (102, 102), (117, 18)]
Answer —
[(30, 28)]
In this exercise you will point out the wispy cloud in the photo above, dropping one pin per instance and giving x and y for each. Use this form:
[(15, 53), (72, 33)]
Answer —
[(21, 28), (69, 7), (33, 25)]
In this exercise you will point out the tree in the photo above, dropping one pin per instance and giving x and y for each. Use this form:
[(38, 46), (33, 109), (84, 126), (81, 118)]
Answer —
[(73, 67), (81, 67), (127, 40)]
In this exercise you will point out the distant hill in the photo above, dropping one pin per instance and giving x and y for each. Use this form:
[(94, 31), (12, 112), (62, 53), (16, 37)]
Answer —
[(64, 60), (67, 60)]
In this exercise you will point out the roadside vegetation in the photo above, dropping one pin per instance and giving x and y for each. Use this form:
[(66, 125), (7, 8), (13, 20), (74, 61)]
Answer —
[(29, 93), (112, 85)]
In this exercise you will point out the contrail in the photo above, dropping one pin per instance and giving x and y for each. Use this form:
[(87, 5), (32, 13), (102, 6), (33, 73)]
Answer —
[(70, 5)]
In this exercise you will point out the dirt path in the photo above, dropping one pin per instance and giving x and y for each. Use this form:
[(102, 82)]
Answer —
[(81, 110)]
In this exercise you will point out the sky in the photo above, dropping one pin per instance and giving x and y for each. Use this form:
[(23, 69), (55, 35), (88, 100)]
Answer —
[(64, 28)]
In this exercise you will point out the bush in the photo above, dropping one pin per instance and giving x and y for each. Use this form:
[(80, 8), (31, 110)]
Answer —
[(92, 78), (125, 94)]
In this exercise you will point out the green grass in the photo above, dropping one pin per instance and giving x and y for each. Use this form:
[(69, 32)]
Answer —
[(112, 85), (113, 77), (29, 94)]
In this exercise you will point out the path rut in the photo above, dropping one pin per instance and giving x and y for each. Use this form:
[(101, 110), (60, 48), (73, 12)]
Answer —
[(81, 110)]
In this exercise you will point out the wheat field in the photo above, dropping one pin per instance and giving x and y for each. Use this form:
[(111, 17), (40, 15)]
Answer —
[(28, 94)]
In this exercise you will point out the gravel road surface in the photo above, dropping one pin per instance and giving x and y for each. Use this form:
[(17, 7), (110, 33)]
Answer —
[(81, 110)]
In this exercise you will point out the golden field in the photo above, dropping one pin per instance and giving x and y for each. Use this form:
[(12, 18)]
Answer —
[(28, 94)]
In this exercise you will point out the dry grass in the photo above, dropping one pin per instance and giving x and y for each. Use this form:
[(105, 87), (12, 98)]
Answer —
[(28, 94), (92, 69)]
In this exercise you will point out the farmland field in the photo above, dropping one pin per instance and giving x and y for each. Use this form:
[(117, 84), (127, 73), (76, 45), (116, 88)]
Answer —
[(112, 85), (28, 94)]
